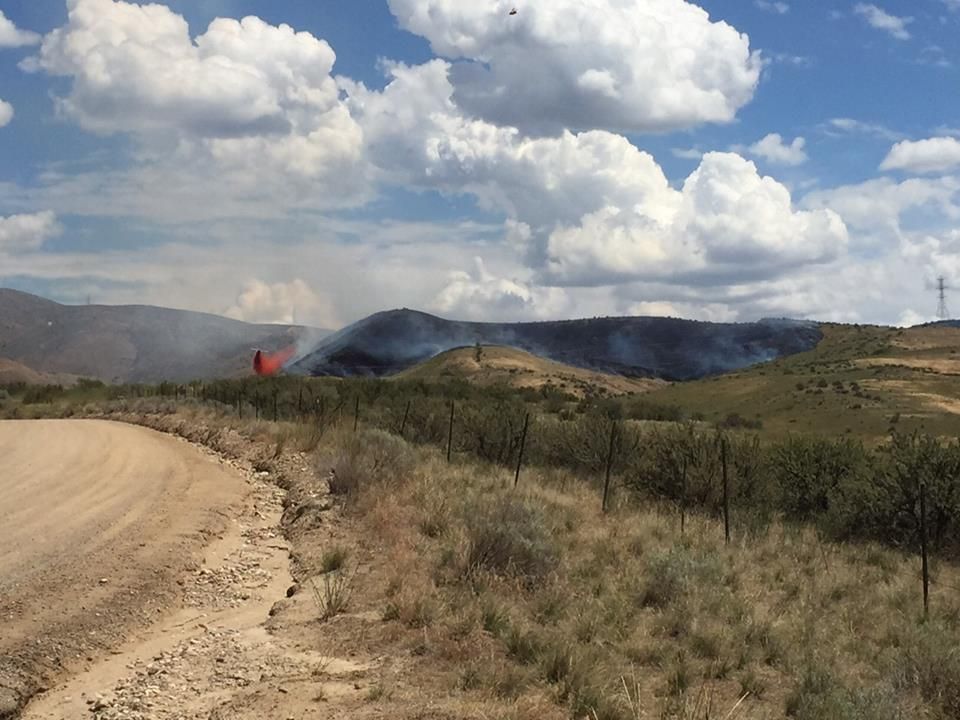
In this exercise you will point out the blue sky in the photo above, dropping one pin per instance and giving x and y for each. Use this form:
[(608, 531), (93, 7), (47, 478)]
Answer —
[(716, 160)]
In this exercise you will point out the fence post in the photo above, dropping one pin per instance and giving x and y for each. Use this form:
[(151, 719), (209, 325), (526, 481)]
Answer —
[(523, 444), (726, 490), (923, 549), (683, 497), (356, 414), (240, 404), (276, 416), (606, 480), (406, 414), (450, 431), (300, 402)]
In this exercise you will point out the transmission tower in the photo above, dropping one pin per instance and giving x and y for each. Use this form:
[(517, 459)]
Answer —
[(942, 312)]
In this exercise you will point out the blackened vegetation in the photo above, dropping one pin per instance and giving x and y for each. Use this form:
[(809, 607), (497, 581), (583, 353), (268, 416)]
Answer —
[(668, 348)]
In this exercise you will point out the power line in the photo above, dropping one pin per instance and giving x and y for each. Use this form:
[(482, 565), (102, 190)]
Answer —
[(942, 312)]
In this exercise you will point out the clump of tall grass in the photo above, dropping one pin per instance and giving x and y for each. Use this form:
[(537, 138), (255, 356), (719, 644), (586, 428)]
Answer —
[(508, 536), (371, 459)]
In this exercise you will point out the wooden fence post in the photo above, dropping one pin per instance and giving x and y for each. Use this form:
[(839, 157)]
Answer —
[(406, 414), (523, 444), (923, 549), (683, 496), (609, 469), (240, 404), (356, 414), (726, 490), (450, 431), (276, 415)]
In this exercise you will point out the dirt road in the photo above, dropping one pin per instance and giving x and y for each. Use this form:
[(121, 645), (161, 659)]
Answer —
[(98, 521)]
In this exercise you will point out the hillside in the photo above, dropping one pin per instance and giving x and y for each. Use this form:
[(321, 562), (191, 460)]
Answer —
[(518, 369), (666, 348), (860, 380), (132, 343), (14, 373)]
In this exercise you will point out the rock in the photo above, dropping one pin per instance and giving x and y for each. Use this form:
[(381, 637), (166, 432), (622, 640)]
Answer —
[(293, 590), (278, 607)]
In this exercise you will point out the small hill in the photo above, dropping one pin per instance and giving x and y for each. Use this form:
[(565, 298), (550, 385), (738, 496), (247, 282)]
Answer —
[(14, 373), (667, 348), (860, 380), (518, 369), (131, 343)]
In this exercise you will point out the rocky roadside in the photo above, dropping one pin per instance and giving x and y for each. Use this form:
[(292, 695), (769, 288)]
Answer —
[(216, 646)]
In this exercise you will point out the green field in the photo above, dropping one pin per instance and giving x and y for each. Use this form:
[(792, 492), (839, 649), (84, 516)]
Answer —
[(860, 380)]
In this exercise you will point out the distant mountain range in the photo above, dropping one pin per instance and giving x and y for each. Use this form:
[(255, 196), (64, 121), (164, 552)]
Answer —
[(670, 349), (132, 343)]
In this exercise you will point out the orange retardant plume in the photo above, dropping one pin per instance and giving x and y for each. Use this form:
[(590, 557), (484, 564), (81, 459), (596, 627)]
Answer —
[(271, 363)]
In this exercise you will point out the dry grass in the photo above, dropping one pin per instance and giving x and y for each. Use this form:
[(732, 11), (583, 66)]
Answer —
[(534, 605), (615, 617), (332, 595), (518, 369)]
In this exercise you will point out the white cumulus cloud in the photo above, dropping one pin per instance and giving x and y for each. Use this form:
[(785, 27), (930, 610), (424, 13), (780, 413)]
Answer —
[(590, 208), (649, 65), (727, 225), (12, 37), (418, 136), (286, 303), (245, 103), (933, 155), (776, 151), (480, 295), (6, 113), (882, 20), (19, 233)]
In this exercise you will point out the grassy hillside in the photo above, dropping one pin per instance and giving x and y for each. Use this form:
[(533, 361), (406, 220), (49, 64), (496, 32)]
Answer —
[(497, 365), (859, 380)]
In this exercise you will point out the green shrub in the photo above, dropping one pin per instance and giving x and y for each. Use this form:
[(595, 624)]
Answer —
[(808, 469)]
